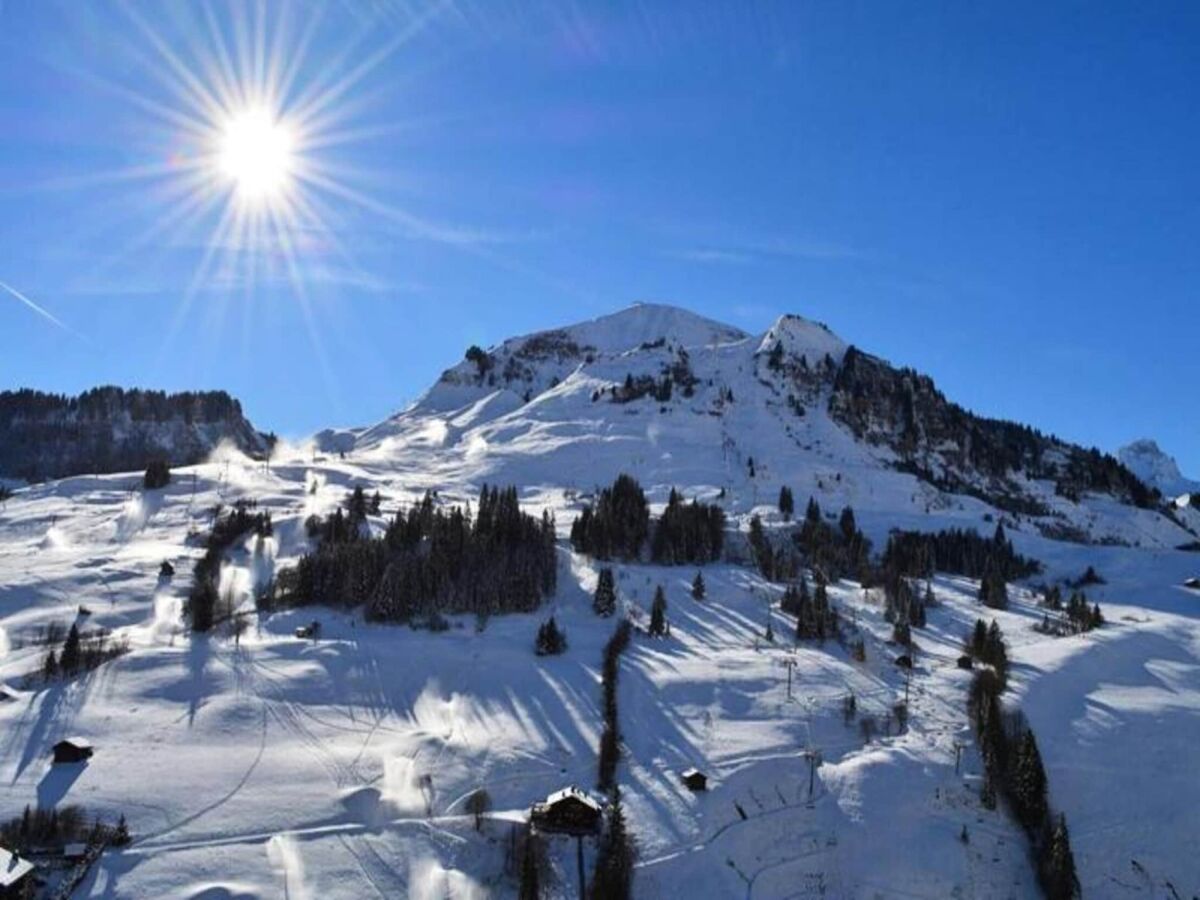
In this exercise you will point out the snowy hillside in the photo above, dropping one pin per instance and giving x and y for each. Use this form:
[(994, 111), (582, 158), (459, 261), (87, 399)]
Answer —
[(262, 764)]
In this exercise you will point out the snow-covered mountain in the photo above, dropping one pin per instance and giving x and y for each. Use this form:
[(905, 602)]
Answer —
[(1157, 468), (675, 397), (259, 762), (109, 429)]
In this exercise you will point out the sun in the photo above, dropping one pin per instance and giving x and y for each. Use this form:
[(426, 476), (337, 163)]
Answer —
[(256, 153)]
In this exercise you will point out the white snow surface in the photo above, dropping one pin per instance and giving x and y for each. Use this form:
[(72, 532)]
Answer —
[(339, 768)]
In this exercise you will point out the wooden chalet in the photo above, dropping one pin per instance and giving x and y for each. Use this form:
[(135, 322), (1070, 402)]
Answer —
[(73, 750), (569, 811)]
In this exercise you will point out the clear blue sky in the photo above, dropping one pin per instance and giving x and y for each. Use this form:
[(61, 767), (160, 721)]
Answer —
[(1002, 195)]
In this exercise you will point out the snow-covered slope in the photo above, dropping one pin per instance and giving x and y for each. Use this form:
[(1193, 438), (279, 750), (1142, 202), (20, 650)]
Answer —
[(675, 398), (270, 766)]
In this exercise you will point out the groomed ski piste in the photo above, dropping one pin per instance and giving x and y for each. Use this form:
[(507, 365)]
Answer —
[(339, 767)]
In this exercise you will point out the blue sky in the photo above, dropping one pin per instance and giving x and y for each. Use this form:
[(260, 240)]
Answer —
[(1001, 195)]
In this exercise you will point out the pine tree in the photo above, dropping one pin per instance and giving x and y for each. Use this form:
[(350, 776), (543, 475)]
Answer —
[(658, 613), (997, 652), (356, 505), (1028, 782), (604, 601), (69, 660), (787, 505), (977, 643), (158, 475), (551, 641), (698, 588), (764, 554), (993, 592), (812, 513), (613, 877), (1056, 865), (120, 836), (847, 524), (50, 666)]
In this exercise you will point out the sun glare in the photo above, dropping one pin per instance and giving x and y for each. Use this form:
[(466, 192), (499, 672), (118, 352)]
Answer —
[(257, 154)]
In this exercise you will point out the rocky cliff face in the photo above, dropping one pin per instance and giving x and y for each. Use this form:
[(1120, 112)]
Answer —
[(946, 445), (109, 429)]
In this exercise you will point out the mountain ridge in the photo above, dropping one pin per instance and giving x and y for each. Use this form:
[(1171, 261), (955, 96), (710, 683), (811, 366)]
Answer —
[(663, 382), (112, 429)]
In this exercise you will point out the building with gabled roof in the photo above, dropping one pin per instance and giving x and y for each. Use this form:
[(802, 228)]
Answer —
[(567, 811), (73, 750)]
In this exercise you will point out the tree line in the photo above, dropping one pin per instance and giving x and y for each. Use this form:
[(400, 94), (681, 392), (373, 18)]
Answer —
[(959, 551), (203, 602), (59, 825), (1013, 769), (613, 875), (617, 526), (1076, 616), (816, 617), (431, 560), (81, 651)]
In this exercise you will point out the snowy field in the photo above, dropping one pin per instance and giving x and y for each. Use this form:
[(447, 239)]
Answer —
[(275, 766)]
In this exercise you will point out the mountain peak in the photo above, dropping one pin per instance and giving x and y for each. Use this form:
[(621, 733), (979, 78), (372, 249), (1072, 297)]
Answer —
[(1156, 467), (647, 323), (803, 337)]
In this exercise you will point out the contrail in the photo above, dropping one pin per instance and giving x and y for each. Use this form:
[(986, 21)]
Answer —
[(37, 309)]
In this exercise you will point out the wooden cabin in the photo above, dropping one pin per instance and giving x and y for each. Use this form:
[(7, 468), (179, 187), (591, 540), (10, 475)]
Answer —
[(73, 750), (16, 876), (694, 780), (569, 811)]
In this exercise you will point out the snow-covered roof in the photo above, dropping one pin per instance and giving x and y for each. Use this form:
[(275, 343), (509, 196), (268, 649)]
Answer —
[(574, 793), (78, 742), (12, 868), (692, 773), (7, 693)]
